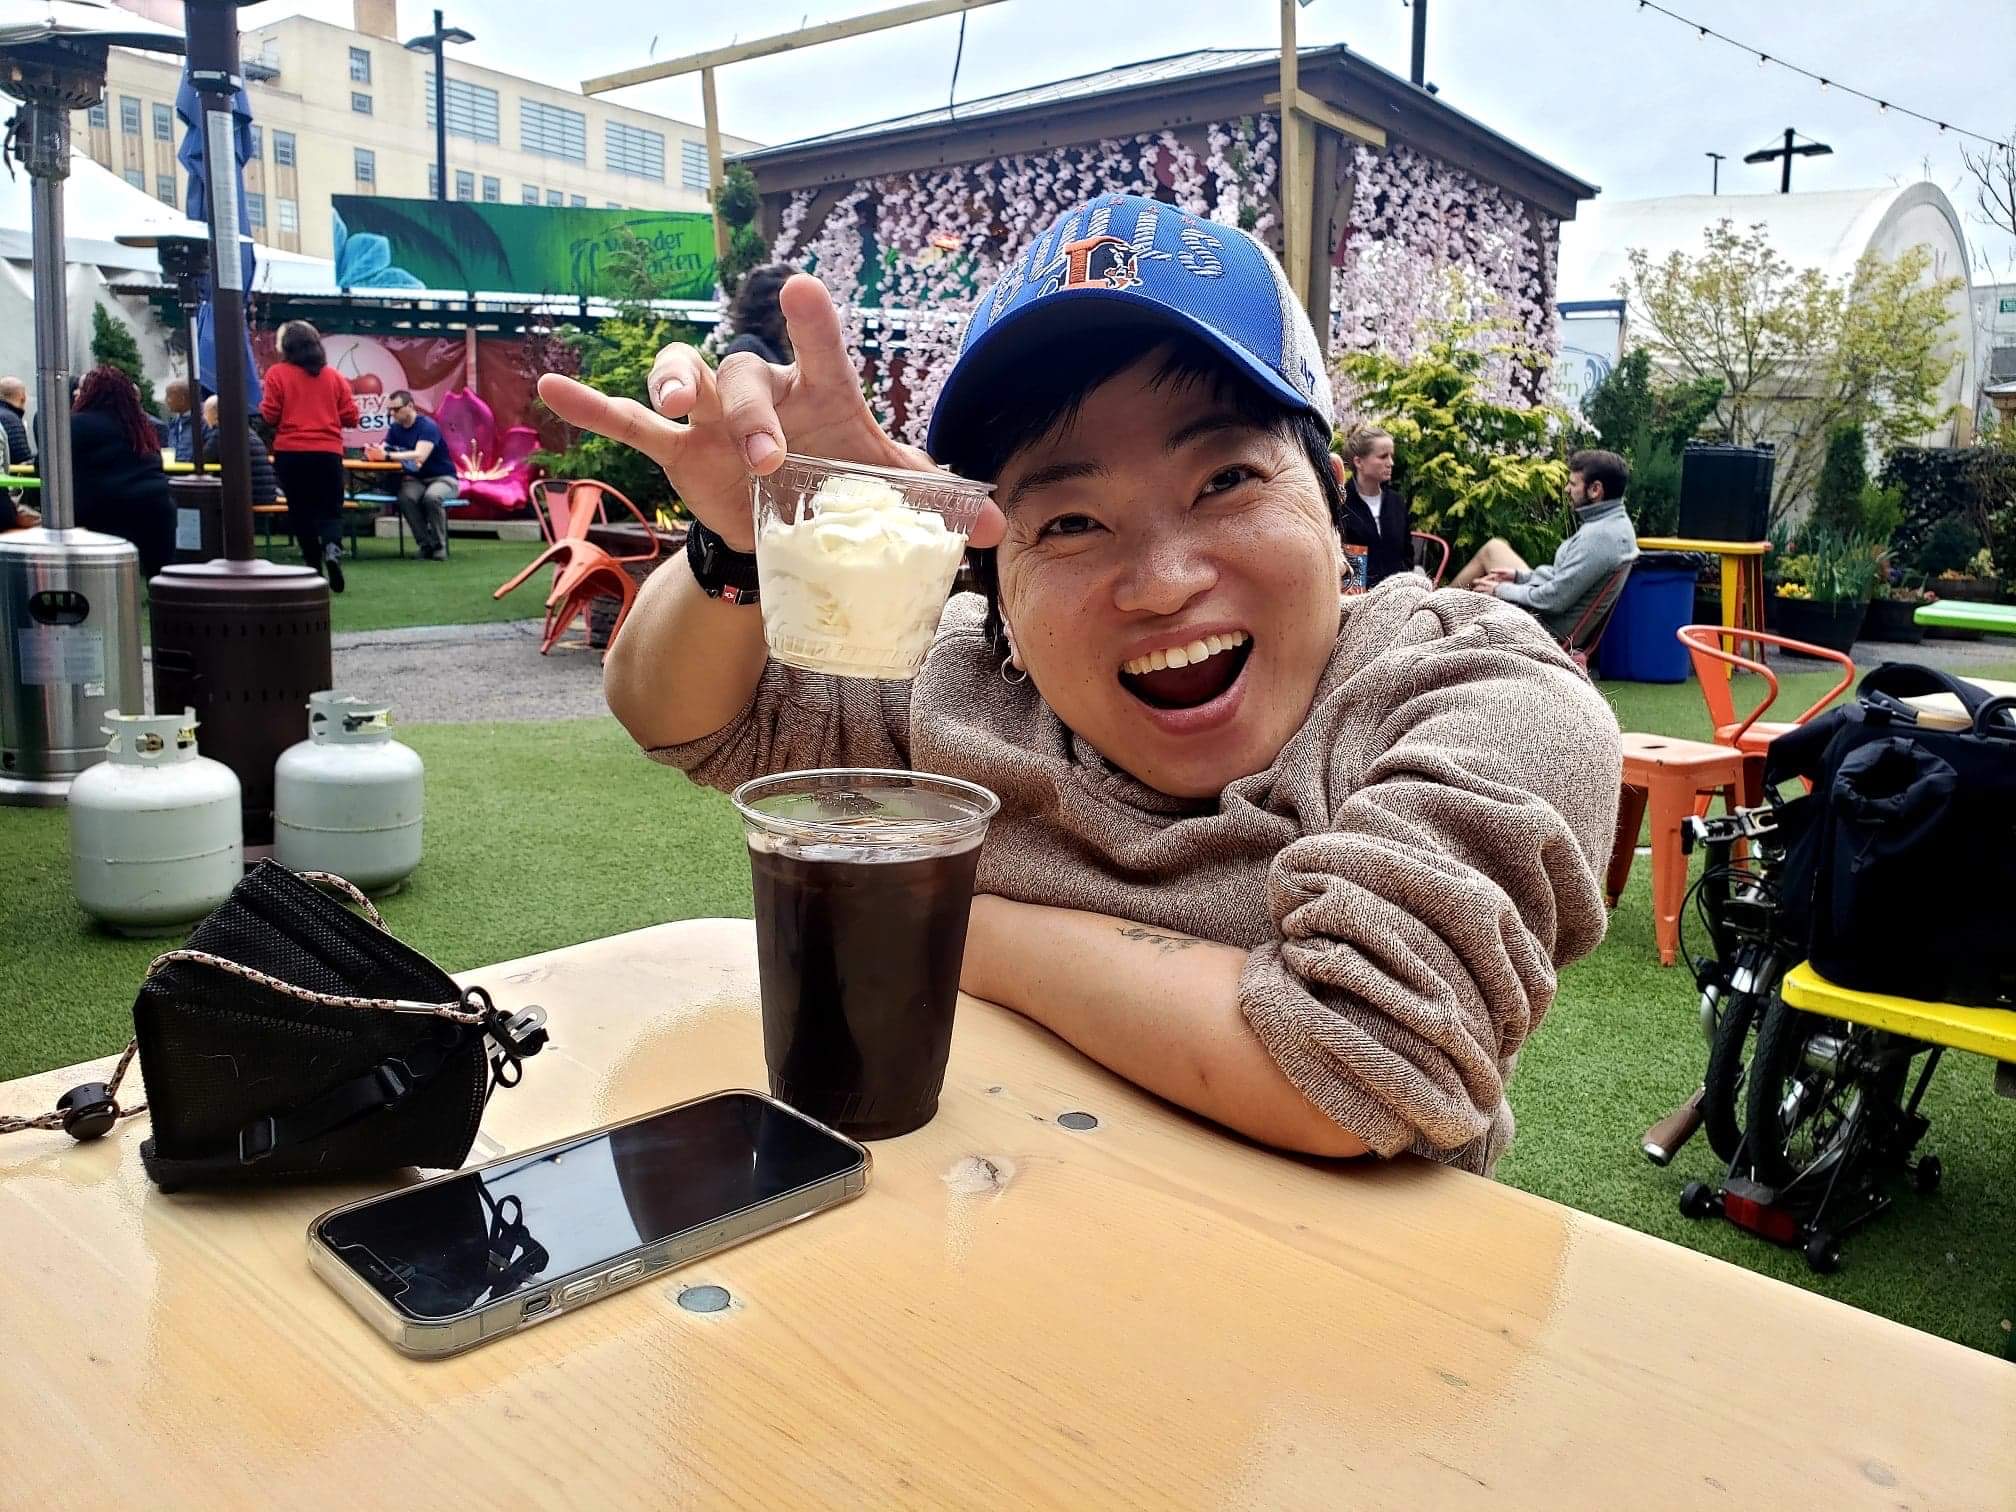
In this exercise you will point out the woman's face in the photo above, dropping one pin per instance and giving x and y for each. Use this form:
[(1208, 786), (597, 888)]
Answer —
[(1169, 579), (1372, 471)]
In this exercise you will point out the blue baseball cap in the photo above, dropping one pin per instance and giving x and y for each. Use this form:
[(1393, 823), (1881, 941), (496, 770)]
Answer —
[(1122, 261)]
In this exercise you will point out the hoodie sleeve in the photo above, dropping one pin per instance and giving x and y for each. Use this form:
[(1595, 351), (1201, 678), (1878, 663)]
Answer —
[(1417, 939)]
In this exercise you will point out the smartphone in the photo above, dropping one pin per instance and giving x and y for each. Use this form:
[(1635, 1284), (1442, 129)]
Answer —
[(454, 1262)]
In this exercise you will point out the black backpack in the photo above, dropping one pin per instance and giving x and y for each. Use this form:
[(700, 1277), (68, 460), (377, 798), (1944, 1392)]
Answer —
[(1900, 865)]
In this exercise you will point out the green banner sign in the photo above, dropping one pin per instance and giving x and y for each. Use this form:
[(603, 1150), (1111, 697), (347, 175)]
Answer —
[(517, 249)]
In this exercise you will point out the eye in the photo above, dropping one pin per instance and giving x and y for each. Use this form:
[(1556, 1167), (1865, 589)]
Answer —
[(1069, 525), (1228, 478)]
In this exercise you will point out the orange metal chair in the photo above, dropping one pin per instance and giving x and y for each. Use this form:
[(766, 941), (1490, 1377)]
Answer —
[(582, 570), (1422, 541), (1581, 642), (1714, 666), (1672, 777)]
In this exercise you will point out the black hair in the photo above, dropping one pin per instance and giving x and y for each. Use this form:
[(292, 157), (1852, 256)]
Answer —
[(1046, 397), (301, 344), (756, 311), (1603, 467)]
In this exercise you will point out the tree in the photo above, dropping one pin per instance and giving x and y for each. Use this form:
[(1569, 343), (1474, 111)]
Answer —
[(1993, 170), (1798, 353), (1471, 468), (1837, 501), (737, 203), (1649, 426), (112, 344)]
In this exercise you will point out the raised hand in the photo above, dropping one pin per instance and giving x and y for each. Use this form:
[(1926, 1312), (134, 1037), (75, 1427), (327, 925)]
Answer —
[(711, 430)]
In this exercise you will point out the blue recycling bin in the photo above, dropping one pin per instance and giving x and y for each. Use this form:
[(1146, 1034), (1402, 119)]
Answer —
[(1642, 642)]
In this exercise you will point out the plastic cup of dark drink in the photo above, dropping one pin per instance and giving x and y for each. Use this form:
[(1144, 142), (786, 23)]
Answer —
[(864, 880)]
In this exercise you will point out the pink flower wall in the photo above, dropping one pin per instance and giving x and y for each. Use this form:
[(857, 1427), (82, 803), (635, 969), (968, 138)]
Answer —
[(942, 234)]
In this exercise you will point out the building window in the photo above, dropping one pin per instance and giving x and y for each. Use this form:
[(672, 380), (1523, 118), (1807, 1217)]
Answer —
[(472, 109), (579, 201), (530, 194), (614, 206), (360, 66), (492, 190), (367, 165), (693, 165), (283, 149), (100, 116), (164, 123), (290, 215), (136, 178), (360, 104), (555, 197), (255, 211), (258, 135), (634, 150), (129, 115), (465, 184), (164, 188), (552, 131), (433, 181)]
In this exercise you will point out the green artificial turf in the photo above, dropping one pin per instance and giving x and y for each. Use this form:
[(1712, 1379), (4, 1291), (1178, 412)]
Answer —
[(540, 835)]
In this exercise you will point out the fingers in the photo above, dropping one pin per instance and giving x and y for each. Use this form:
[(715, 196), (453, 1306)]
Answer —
[(989, 528), (623, 420), (816, 340), (748, 390), (678, 377)]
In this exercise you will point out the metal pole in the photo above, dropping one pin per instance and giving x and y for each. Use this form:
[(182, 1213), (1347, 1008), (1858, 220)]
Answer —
[(213, 71), (1418, 72), (440, 111), (1785, 177), (710, 117), (46, 151)]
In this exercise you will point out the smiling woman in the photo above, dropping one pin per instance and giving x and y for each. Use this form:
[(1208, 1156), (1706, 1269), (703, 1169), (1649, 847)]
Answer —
[(1305, 865)]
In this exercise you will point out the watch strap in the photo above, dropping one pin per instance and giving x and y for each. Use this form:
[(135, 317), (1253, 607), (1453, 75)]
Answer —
[(721, 571)]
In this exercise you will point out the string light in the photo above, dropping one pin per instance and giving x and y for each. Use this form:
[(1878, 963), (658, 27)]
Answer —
[(1763, 58)]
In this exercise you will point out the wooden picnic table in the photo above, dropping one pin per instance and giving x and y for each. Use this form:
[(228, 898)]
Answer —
[(20, 485), (1148, 1313)]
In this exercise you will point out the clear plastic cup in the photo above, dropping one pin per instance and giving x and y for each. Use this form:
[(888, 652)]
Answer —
[(856, 563), (863, 882)]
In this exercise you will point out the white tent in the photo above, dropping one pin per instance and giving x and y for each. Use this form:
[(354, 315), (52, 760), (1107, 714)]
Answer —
[(1830, 231), (98, 207)]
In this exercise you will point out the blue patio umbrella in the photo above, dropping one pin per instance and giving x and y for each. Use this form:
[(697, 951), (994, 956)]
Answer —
[(194, 158)]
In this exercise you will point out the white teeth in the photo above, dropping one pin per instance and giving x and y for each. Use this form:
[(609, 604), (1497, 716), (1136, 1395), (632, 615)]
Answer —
[(1185, 656)]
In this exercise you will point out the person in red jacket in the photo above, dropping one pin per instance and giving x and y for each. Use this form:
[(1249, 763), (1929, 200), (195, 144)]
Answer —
[(308, 404)]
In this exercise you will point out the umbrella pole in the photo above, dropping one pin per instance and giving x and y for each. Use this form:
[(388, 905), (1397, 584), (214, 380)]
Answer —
[(213, 71), (46, 144)]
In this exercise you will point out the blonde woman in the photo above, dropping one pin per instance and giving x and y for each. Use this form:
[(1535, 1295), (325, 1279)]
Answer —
[(1375, 516)]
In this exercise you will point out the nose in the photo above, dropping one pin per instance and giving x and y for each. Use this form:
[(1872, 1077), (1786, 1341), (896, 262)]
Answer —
[(1166, 573)]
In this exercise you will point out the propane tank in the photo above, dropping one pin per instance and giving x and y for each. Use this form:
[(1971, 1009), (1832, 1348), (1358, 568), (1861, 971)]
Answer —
[(348, 798), (156, 841)]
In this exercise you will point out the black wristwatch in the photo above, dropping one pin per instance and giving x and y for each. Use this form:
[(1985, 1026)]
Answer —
[(721, 571)]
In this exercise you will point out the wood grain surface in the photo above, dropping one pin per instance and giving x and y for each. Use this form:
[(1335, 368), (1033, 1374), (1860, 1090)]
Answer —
[(1145, 1314)]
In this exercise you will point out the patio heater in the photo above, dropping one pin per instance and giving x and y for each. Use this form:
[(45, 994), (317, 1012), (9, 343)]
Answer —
[(69, 598), (240, 640)]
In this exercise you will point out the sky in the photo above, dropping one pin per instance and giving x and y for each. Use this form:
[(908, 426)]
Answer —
[(1618, 95)]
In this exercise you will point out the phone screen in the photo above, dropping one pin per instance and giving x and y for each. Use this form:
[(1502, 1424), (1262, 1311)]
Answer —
[(439, 1249)]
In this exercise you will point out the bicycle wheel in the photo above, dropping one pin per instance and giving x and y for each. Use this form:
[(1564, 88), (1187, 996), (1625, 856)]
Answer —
[(1722, 1087), (1798, 1114)]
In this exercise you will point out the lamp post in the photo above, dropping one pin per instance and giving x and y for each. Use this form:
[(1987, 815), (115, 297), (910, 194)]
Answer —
[(436, 42), (1715, 172), (1787, 153)]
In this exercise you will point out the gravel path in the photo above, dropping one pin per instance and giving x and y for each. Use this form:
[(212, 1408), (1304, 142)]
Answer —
[(469, 674)]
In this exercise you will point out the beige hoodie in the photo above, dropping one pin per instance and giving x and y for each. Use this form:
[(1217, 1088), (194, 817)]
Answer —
[(1406, 876)]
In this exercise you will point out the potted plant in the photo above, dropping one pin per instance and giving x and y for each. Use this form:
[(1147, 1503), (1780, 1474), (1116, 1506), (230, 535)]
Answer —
[(1893, 613), (1823, 591)]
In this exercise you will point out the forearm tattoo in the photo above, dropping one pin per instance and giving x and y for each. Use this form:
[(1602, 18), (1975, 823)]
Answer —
[(1168, 944)]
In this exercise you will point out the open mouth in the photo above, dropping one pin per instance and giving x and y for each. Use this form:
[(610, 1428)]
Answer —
[(1188, 676)]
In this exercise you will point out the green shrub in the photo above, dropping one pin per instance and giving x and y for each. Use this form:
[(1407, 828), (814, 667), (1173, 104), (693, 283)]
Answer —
[(112, 343), (1837, 503)]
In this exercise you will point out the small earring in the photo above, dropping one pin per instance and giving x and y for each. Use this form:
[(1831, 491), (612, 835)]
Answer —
[(1010, 661)]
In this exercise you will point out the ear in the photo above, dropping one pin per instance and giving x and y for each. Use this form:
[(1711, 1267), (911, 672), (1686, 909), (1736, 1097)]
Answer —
[(1337, 468)]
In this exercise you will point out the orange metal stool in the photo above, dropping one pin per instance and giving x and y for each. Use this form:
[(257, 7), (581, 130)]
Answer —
[(1669, 775)]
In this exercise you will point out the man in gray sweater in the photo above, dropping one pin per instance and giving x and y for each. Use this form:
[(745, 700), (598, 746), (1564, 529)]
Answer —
[(1561, 593)]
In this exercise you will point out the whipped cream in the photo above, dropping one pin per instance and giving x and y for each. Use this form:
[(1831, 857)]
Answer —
[(855, 586)]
